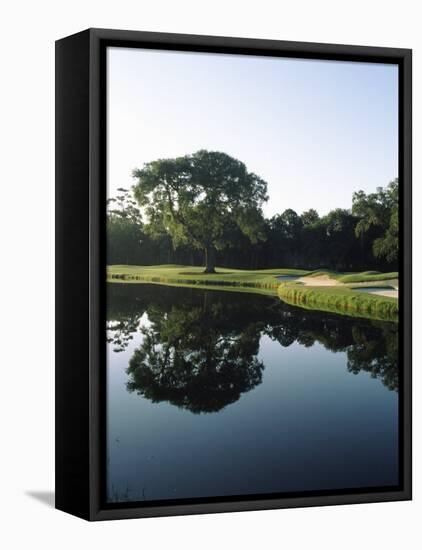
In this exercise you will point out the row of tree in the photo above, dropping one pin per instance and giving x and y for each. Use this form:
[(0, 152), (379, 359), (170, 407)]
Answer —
[(206, 209)]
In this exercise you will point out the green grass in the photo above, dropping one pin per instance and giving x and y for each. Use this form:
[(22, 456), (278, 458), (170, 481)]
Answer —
[(362, 277), (340, 299), (367, 277), (188, 276)]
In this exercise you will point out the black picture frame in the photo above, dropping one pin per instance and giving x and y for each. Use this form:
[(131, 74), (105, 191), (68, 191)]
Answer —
[(80, 268)]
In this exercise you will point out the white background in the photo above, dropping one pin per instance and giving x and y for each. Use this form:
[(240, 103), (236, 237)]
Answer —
[(28, 31)]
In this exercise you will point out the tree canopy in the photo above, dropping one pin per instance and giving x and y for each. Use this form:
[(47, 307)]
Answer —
[(124, 226), (379, 211), (165, 220), (195, 199)]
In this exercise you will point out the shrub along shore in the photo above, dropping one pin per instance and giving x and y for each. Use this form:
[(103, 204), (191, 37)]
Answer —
[(319, 290)]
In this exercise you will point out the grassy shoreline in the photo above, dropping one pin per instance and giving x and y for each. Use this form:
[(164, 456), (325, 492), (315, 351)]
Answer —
[(340, 297), (341, 300), (188, 276)]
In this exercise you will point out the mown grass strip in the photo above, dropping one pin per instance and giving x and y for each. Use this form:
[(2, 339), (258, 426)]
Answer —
[(188, 275), (368, 277)]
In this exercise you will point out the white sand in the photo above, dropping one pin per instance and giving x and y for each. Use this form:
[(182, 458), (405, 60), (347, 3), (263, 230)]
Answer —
[(320, 280), (324, 280), (390, 293)]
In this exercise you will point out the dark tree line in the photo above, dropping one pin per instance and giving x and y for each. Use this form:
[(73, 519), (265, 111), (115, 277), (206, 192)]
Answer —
[(205, 209)]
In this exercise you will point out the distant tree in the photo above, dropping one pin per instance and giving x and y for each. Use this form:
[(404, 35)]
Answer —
[(310, 217), (291, 224), (339, 222), (124, 228), (379, 211), (388, 246), (285, 233), (341, 243), (195, 197), (314, 245), (124, 206)]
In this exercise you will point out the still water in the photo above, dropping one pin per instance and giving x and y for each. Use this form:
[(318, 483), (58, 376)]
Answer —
[(222, 393)]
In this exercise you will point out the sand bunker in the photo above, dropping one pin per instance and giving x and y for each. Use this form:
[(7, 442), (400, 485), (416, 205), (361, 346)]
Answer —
[(320, 280), (389, 292), (324, 280)]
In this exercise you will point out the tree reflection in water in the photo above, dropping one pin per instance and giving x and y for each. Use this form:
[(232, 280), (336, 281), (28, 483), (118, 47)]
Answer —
[(199, 348)]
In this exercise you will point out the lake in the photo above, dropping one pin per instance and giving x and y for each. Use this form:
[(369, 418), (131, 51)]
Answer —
[(217, 393)]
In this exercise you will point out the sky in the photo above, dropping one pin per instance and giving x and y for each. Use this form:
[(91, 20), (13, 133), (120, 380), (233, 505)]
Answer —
[(315, 131)]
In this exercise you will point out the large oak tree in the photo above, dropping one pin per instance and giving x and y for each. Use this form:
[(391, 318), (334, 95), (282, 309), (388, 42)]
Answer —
[(197, 198)]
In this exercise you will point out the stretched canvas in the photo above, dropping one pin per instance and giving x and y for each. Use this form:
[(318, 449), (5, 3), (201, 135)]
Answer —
[(252, 278)]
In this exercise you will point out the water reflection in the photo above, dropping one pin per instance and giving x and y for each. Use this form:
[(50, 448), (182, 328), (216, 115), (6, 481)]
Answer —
[(200, 349)]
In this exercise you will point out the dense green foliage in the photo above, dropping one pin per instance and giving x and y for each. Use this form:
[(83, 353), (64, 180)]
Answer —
[(186, 212), (201, 200), (124, 227), (378, 213)]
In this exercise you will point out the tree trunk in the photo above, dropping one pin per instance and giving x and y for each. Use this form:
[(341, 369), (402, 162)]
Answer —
[(209, 260), (362, 250)]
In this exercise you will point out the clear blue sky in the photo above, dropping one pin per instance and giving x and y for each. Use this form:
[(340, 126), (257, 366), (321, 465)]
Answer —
[(316, 131)]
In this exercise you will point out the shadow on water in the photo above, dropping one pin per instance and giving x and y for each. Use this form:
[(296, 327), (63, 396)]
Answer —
[(199, 349)]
